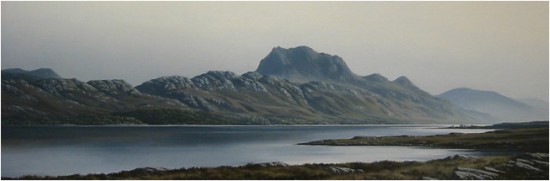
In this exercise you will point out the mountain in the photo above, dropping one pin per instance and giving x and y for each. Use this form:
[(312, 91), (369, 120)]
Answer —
[(300, 85), (303, 64), (42, 73), (32, 99), (291, 86), (283, 102), (535, 103), (495, 104)]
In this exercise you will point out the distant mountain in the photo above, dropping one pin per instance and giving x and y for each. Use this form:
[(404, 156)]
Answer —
[(540, 106), (42, 73), (536, 103), (291, 86), (495, 104)]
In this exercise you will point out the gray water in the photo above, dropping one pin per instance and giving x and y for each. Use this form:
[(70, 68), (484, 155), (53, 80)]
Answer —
[(65, 150)]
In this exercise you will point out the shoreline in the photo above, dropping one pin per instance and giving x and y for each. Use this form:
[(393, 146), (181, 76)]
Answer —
[(520, 139), (519, 167), (530, 163)]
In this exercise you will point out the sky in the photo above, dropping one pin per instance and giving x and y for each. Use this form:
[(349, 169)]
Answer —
[(497, 46)]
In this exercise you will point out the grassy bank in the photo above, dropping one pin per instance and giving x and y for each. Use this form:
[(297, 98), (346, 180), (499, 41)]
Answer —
[(439, 169), (524, 140)]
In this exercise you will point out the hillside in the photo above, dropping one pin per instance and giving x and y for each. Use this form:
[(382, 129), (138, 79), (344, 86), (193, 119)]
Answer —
[(495, 104), (311, 86), (26, 100)]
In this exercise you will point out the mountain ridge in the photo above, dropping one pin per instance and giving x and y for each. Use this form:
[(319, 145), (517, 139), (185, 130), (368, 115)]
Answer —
[(41, 73), (295, 94), (493, 103)]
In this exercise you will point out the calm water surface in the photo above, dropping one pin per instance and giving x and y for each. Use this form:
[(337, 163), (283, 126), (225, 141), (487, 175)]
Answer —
[(64, 150)]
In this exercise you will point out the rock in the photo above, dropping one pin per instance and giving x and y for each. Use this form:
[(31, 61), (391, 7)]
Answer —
[(147, 170), (270, 164), (490, 169), (249, 85), (303, 64), (524, 161), (114, 87), (344, 170), (457, 157), (466, 176), (540, 163), (471, 173), (428, 178), (537, 156), (529, 166), (522, 165), (150, 169), (215, 80), (63, 86), (165, 84)]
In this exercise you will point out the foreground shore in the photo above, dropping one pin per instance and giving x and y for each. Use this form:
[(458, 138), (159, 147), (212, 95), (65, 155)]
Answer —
[(525, 166), (530, 162)]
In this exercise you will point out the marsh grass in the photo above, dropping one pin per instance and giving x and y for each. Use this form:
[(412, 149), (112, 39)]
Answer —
[(382, 170)]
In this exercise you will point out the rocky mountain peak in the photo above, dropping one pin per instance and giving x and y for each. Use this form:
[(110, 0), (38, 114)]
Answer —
[(41, 73), (376, 78), (221, 74), (215, 80), (114, 87), (404, 81), (14, 71), (166, 83), (303, 64)]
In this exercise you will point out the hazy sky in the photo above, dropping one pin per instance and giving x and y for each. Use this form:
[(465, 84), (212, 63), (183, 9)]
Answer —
[(499, 46)]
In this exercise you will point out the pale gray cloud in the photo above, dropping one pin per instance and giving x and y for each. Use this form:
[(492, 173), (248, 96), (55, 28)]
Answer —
[(500, 46)]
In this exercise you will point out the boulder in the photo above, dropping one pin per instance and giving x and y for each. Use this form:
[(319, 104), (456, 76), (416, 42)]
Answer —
[(471, 173), (344, 170), (428, 178), (536, 156), (270, 164), (522, 165)]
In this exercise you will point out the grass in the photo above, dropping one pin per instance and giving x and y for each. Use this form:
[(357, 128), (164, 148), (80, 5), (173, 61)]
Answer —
[(441, 169)]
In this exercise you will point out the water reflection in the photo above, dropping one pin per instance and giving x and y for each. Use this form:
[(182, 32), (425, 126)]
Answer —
[(70, 150)]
